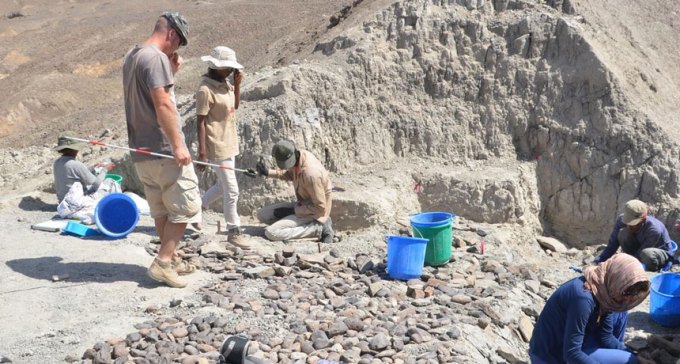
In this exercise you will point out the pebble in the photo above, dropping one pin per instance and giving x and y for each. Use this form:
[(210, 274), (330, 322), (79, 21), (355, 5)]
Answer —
[(303, 308)]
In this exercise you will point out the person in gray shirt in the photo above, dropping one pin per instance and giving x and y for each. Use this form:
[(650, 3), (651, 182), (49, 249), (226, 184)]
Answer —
[(68, 170), (153, 124)]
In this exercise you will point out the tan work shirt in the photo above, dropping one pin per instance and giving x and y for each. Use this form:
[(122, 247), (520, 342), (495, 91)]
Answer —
[(312, 187), (215, 100)]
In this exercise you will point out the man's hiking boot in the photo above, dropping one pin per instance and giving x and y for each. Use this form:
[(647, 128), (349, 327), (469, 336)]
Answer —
[(237, 239), (163, 272), (182, 266), (327, 232)]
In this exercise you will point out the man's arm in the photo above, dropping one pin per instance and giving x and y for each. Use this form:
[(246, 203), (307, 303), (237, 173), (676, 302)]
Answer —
[(613, 244), (87, 178), (167, 119)]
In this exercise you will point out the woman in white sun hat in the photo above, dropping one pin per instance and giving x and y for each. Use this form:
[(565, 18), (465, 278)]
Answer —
[(216, 104)]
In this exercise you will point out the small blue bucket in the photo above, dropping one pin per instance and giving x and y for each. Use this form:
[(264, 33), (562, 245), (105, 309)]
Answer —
[(116, 215), (430, 219), (405, 257), (664, 301), (674, 247)]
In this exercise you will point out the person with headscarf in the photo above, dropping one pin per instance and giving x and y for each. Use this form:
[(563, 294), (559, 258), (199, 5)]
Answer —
[(585, 319)]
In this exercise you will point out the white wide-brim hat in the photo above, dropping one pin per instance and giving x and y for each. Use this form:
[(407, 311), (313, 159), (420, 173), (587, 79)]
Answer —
[(221, 58)]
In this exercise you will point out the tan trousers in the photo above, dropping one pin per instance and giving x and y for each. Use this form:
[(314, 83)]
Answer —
[(288, 228)]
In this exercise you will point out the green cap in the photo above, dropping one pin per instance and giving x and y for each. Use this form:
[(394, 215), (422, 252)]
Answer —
[(633, 212), (177, 22), (284, 153), (65, 143)]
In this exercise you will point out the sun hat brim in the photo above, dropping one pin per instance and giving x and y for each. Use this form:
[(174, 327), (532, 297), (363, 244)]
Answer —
[(217, 64), (74, 146)]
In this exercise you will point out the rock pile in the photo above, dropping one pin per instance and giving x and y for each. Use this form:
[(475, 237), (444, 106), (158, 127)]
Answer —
[(661, 349), (299, 308)]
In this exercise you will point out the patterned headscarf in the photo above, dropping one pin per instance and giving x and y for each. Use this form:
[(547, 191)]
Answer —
[(611, 278)]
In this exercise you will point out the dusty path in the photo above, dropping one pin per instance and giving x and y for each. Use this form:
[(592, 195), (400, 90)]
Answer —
[(107, 292)]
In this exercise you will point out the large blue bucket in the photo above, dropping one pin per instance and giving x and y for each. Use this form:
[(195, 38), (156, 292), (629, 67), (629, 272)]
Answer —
[(430, 219), (116, 215), (664, 301), (405, 257)]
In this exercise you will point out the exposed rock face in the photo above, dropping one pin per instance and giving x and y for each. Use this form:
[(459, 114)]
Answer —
[(501, 110), (442, 86)]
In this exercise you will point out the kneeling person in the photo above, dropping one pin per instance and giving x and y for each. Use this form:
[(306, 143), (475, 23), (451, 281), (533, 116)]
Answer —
[(310, 215), (640, 235)]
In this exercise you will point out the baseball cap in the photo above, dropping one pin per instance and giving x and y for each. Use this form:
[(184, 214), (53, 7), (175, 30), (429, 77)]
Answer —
[(284, 153), (633, 212), (177, 22)]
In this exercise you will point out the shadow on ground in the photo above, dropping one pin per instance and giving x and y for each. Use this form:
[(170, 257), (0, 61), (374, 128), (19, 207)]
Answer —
[(30, 203), (45, 267), (642, 321)]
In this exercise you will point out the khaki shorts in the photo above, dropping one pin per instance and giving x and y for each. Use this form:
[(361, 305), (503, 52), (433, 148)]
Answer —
[(171, 190)]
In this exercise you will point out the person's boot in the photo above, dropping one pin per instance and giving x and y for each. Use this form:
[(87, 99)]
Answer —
[(163, 272), (237, 239), (182, 266), (327, 232)]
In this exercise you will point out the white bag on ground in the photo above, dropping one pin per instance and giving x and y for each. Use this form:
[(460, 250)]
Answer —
[(77, 205), (142, 205)]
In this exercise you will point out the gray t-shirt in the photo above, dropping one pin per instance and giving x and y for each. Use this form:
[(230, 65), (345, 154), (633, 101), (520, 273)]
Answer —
[(146, 68), (68, 170)]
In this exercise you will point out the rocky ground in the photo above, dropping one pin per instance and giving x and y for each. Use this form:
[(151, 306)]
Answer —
[(529, 119), (297, 304)]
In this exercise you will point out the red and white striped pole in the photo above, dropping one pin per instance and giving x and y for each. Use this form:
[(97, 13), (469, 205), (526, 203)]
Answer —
[(248, 172)]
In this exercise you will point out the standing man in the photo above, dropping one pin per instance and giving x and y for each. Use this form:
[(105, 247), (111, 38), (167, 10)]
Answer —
[(640, 235), (153, 123), (310, 215)]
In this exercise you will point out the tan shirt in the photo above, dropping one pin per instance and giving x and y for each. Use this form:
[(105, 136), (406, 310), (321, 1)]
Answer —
[(215, 100), (312, 187)]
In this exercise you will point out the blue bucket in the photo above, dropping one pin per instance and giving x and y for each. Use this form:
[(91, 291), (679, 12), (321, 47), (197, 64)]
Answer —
[(430, 219), (405, 257), (664, 301), (674, 247), (116, 215)]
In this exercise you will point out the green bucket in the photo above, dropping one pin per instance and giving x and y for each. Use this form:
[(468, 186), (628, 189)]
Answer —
[(436, 227), (116, 177)]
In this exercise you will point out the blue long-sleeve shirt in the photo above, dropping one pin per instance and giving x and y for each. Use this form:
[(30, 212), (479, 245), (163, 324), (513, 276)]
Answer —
[(652, 234), (568, 320)]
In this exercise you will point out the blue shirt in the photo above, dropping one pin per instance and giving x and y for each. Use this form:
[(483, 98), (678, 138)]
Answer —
[(652, 234), (568, 320)]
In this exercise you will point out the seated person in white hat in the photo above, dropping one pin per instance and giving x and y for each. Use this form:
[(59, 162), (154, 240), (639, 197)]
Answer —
[(640, 235), (68, 170), (309, 216)]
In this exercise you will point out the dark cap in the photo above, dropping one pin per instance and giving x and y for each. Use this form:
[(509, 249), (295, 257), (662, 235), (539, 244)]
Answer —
[(284, 153), (177, 22), (65, 143)]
